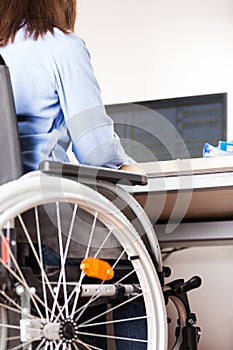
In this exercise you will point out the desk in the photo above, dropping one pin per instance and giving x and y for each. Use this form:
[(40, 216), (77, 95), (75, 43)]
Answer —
[(189, 201)]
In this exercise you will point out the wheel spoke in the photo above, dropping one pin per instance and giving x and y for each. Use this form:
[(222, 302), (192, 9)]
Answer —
[(113, 337), (43, 275), (76, 289), (58, 345), (40, 262), (19, 308), (20, 278), (47, 345), (13, 338), (24, 283), (115, 321), (3, 325), (113, 308), (75, 347), (63, 260), (103, 243), (82, 274), (22, 345), (40, 345), (87, 346), (63, 273)]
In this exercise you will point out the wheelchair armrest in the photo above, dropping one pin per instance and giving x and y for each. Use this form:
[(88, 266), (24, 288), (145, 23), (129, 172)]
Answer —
[(81, 171)]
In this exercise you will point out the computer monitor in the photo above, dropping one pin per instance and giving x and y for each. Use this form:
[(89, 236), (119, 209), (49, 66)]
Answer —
[(170, 128)]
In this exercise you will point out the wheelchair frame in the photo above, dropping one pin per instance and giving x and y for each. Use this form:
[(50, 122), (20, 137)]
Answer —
[(19, 290)]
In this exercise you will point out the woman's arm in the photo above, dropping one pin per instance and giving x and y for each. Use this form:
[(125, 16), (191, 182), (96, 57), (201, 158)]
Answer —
[(91, 129)]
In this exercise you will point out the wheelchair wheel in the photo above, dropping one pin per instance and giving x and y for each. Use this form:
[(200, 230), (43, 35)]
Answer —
[(62, 226)]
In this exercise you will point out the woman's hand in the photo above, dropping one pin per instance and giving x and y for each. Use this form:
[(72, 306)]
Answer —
[(133, 168)]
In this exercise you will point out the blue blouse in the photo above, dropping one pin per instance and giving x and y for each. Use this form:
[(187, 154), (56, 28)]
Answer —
[(58, 102)]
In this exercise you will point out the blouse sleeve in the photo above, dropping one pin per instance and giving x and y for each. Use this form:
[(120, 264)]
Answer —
[(91, 129)]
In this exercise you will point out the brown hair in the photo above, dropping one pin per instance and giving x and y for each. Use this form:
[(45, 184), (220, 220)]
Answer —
[(39, 16)]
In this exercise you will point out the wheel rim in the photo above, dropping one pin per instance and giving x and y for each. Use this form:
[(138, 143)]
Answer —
[(3, 330)]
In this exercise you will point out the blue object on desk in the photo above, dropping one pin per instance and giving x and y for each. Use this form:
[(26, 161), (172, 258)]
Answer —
[(223, 149), (225, 146)]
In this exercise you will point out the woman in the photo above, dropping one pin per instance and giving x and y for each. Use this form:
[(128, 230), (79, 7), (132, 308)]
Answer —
[(57, 97)]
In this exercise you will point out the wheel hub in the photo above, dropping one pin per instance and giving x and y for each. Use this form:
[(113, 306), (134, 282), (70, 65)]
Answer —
[(68, 331)]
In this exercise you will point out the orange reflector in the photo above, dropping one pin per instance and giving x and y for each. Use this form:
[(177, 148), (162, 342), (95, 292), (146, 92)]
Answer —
[(5, 250), (97, 268)]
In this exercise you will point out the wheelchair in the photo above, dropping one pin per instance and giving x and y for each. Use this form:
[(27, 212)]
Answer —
[(77, 253)]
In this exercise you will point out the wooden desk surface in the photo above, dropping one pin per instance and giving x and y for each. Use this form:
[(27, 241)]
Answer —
[(189, 202), (188, 166), (187, 190)]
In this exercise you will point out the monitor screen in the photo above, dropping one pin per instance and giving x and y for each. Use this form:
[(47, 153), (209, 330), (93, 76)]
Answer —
[(170, 128)]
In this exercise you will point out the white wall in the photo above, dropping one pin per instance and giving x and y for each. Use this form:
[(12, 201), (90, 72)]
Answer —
[(153, 49), (212, 302)]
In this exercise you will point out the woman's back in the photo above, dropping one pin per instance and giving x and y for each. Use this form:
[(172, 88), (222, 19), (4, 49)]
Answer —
[(54, 86)]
